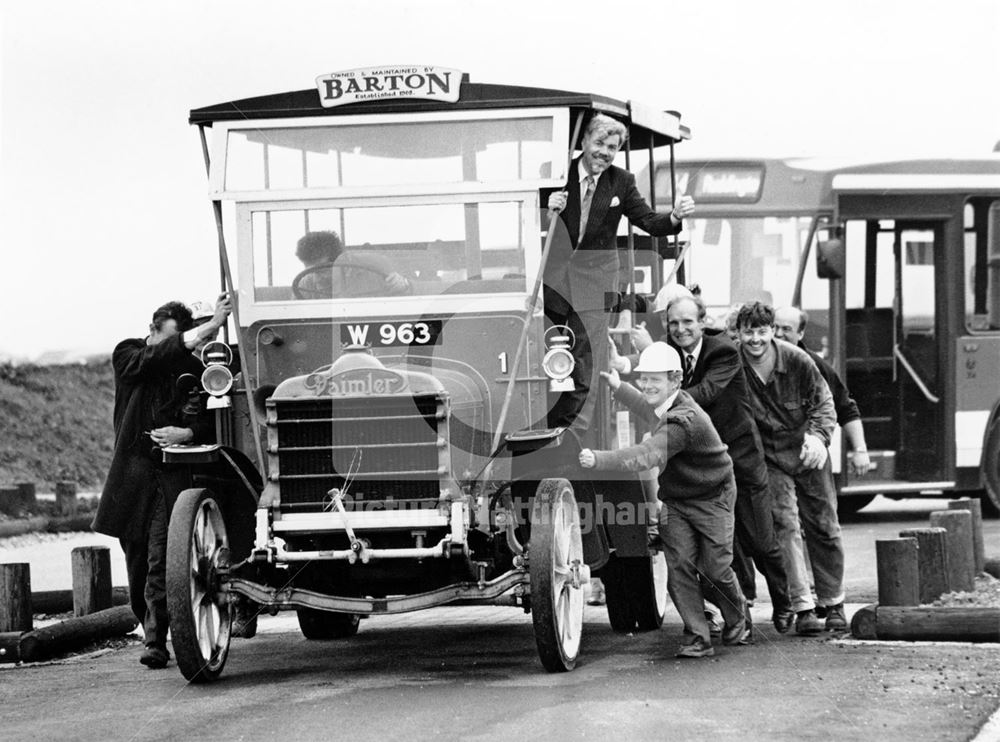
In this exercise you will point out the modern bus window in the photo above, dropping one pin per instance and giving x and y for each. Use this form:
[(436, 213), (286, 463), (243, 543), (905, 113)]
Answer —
[(392, 154), (736, 260), (434, 246), (982, 242)]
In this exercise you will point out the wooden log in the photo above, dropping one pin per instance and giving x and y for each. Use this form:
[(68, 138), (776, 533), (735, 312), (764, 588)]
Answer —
[(91, 579), (66, 498), (992, 567), (10, 646), (961, 563), (73, 633), (932, 561), (938, 623), (974, 506), (898, 571), (15, 597), (17, 527), (61, 601), (863, 623)]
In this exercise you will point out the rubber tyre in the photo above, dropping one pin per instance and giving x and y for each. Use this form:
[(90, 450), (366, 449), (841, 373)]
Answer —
[(990, 496), (324, 625), (614, 575), (848, 507), (200, 616), (648, 577), (555, 551)]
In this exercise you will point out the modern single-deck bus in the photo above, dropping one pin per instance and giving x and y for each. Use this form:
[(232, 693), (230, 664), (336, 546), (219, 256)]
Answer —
[(904, 300)]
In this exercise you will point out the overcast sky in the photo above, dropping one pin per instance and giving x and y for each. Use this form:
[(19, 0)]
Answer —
[(104, 207)]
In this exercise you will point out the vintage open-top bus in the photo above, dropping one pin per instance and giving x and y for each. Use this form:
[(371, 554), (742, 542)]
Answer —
[(382, 424), (905, 305)]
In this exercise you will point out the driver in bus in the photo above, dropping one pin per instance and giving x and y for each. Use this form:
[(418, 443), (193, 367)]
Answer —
[(582, 270), (360, 275)]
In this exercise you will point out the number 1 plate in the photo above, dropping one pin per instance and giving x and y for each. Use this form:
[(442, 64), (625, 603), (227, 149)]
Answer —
[(389, 334)]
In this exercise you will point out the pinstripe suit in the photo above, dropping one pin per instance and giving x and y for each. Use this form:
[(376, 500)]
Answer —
[(581, 277)]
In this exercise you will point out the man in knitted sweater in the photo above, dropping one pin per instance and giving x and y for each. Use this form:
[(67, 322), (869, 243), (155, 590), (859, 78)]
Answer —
[(697, 489)]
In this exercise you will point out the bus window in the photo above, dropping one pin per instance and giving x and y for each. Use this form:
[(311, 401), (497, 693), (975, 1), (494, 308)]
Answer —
[(982, 247)]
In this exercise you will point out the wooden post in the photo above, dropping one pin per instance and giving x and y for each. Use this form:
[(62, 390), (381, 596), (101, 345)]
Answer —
[(8, 500), (898, 571), (66, 498), (932, 559), (15, 597), (974, 506), (961, 563), (26, 492), (937, 623), (91, 579)]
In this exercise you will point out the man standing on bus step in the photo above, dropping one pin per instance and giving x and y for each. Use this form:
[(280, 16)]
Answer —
[(697, 489), (581, 274), (139, 492), (794, 411), (790, 325)]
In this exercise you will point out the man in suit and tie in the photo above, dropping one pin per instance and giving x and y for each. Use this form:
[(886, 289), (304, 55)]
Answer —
[(581, 274)]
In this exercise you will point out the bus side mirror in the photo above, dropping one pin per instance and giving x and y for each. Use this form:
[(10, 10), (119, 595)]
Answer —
[(830, 259)]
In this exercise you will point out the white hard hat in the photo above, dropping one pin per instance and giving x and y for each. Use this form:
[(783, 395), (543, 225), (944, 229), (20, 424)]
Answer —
[(668, 293), (201, 311), (658, 358)]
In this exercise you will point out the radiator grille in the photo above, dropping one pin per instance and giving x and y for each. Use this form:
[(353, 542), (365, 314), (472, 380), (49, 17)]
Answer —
[(387, 445)]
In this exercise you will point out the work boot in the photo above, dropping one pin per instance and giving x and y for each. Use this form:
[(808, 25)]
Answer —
[(782, 620), (806, 623), (244, 620), (695, 650), (714, 627), (835, 618), (154, 657), (741, 633)]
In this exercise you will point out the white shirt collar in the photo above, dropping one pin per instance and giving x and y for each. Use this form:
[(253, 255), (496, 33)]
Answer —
[(662, 409), (696, 352), (583, 174)]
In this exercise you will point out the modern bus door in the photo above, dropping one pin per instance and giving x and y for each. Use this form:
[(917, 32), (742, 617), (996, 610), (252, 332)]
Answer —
[(894, 346)]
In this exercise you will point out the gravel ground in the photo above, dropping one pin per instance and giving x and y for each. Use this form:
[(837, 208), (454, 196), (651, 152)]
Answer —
[(986, 594)]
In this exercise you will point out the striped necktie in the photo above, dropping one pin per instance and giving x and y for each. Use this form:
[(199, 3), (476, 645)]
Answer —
[(688, 369), (588, 196)]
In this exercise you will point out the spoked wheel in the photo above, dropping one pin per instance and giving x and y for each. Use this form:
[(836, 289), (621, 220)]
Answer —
[(650, 591), (558, 574), (325, 625), (636, 592), (200, 616)]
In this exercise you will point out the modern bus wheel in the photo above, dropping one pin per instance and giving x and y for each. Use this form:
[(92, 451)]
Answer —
[(200, 615), (322, 625), (991, 472), (558, 572)]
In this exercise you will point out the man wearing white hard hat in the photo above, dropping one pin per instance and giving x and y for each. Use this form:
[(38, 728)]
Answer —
[(696, 487)]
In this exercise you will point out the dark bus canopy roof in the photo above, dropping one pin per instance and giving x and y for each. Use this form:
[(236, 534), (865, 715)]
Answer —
[(472, 97), (804, 185)]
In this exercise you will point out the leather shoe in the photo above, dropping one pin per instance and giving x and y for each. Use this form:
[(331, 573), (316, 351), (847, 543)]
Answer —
[(806, 623), (835, 618), (782, 621), (155, 658), (738, 634), (695, 650), (714, 627)]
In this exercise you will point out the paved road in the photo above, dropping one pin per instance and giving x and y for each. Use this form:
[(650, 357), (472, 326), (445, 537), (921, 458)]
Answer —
[(472, 673)]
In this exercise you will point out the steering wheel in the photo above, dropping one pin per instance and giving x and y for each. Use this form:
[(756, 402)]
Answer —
[(343, 278)]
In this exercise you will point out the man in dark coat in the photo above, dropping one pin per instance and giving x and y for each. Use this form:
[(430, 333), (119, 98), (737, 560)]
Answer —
[(149, 414), (581, 274)]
